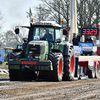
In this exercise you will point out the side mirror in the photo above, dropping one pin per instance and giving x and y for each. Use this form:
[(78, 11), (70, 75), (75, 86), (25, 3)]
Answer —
[(65, 32), (17, 30), (25, 39)]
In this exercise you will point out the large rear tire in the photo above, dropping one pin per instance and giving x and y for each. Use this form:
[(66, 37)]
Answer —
[(69, 66), (57, 62)]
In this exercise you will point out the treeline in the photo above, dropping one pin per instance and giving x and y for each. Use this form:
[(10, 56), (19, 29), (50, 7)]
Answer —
[(88, 12)]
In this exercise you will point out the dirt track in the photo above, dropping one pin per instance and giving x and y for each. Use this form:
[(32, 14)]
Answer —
[(43, 90)]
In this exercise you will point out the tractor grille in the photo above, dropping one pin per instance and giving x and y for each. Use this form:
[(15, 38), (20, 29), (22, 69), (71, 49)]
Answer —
[(37, 48)]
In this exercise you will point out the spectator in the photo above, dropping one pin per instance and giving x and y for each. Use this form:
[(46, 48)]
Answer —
[(47, 36), (75, 40), (88, 39), (78, 36)]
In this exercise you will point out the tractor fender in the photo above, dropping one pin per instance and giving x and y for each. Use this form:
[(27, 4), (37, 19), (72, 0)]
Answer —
[(67, 46), (56, 50)]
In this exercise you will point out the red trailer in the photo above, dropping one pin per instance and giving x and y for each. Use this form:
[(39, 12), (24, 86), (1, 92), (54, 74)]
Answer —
[(91, 64)]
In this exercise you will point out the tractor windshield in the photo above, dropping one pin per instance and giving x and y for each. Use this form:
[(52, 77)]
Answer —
[(43, 33)]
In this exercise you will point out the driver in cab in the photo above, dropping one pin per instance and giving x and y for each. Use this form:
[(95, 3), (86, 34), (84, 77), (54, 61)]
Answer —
[(47, 36)]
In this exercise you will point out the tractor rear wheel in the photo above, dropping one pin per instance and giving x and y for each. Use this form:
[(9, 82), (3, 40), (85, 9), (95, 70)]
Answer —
[(69, 66), (57, 62)]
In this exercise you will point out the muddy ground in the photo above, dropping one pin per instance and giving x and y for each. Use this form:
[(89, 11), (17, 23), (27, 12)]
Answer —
[(88, 89), (44, 90)]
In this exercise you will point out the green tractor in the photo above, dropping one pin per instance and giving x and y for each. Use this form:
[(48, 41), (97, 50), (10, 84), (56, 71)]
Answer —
[(45, 54)]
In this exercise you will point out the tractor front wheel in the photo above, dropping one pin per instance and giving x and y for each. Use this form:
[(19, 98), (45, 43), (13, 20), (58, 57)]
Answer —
[(57, 62), (15, 75), (20, 75)]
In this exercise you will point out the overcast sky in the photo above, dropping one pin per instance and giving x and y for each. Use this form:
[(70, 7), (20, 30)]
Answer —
[(14, 11)]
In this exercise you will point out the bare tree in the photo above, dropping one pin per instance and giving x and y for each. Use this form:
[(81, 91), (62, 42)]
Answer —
[(58, 9), (10, 39), (42, 13), (1, 19), (88, 11), (1, 26)]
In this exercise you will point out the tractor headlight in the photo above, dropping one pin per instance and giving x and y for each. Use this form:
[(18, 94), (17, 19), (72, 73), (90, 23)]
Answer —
[(37, 57)]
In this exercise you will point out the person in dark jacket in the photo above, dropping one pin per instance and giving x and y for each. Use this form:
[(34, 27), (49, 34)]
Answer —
[(75, 40), (47, 36), (88, 39)]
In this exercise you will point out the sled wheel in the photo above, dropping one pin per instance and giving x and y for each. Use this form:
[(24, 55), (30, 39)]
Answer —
[(91, 73), (77, 72), (97, 71), (69, 66)]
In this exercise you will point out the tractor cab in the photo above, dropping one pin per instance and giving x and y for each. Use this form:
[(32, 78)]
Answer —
[(45, 34), (45, 30)]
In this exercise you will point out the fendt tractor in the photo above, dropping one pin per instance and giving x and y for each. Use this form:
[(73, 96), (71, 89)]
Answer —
[(44, 54), (48, 53)]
